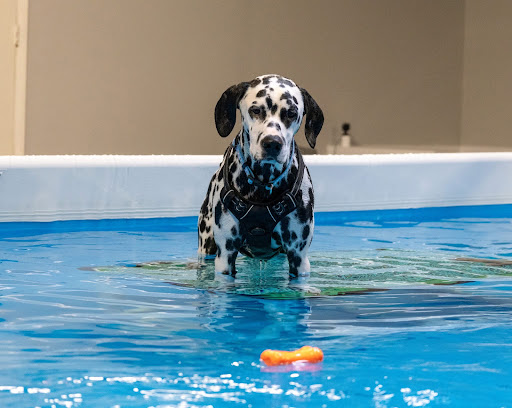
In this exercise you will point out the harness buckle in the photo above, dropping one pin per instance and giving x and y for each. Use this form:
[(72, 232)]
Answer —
[(240, 206), (279, 208)]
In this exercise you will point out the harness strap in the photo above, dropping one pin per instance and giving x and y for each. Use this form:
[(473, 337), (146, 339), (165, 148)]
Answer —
[(258, 220)]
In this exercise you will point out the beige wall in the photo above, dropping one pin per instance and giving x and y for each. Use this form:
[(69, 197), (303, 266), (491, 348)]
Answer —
[(141, 77), (7, 69), (487, 101), (391, 68), (128, 76)]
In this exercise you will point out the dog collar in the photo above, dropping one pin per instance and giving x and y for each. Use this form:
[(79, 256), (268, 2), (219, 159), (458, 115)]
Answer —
[(251, 178)]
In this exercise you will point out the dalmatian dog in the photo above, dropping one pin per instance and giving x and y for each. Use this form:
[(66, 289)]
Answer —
[(260, 201)]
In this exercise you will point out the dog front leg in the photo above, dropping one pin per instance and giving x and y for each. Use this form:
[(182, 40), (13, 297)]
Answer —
[(225, 259), (298, 262), (228, 243), (296, 238)]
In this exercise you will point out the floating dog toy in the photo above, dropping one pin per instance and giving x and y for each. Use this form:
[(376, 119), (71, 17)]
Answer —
[(278, 357)]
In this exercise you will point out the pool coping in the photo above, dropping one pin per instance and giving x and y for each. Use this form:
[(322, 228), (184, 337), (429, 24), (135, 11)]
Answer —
[(54, 188)]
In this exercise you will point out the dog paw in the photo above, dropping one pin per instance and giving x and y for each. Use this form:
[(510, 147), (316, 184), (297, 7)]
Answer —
[(301, 285), (225, 277)]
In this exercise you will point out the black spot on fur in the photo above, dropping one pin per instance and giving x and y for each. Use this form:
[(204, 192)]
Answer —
[(286, 95), (231, 263), (294, 171), (234, 231), (305, 213), (210, 248), (242, 185), (268, 100), (202, 225), (283, 81), (294, 261), (264, 171), (204, 207), (276, 238), (231, 158), (246, 141), (261, 93), (285, 232), (255, 82), (305, 232), (263, 113), (266, 80), (218, 213)]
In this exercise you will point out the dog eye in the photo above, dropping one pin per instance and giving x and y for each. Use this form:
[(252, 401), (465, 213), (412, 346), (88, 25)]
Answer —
[(255, 111), (292, 114)]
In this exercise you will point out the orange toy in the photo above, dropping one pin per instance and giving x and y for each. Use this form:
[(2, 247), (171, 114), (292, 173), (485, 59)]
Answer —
[(278, 357)]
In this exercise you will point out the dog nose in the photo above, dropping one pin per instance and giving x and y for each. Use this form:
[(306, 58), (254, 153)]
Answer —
[(272, 145)]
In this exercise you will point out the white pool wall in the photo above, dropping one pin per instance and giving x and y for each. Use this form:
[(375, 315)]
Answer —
[(51, 188)]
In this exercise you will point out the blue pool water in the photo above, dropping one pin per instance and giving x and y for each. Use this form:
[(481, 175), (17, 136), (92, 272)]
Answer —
[(81, 327)]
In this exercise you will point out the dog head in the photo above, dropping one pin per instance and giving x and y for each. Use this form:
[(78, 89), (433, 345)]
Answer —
[(272, 108)]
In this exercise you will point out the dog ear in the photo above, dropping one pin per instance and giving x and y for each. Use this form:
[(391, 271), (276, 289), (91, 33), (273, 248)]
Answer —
[(225, 110), (314, 117)]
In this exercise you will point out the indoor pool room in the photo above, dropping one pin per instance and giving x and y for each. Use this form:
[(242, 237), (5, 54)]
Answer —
[(409, 306), (268, 205)]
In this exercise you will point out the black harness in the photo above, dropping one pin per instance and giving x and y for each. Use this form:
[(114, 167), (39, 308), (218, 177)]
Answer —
[(258, 220)]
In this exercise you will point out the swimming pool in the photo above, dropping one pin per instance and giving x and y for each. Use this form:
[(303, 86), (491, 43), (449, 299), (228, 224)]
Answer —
[(122, 336), (401, 298)]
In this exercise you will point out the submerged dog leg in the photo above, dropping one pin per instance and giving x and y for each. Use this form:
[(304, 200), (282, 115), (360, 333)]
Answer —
[(228, 240), (225, 261), (299, 264), (296, 237)]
